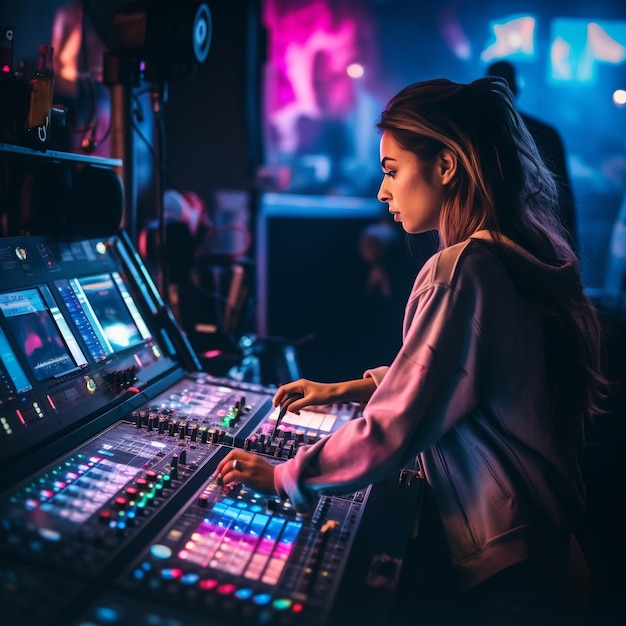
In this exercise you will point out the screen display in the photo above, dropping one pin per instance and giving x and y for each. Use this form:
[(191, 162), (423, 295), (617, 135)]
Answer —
[(110, 309), (84, 318), (41, 332), (12, 376)]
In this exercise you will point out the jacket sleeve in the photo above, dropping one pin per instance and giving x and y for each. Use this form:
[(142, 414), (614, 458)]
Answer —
[(431, 384)]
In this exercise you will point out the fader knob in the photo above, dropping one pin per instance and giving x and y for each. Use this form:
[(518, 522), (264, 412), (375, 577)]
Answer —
[(120, 503), (131, 492)]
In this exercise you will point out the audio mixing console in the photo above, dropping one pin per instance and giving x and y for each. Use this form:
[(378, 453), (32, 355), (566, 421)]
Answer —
[(79, 514), (110, 513)]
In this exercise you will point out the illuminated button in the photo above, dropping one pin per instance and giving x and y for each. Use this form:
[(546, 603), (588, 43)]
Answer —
[(262, 598), (139, 574), (171, 573), (159, 551), (151, 476), (49, 534), (281, 604), (226, 589), (244, 594), (120, 502), (106, 615), (189, 579), (208, 584)]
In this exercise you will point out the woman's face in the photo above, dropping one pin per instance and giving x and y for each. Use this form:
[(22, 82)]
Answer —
[(413, 190)]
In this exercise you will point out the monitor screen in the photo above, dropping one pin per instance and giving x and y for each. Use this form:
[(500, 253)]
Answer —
[(108, 305), (41, 332), (12, 376)]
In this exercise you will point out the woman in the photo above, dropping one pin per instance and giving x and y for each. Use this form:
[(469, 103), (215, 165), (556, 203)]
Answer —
[(499, 362)]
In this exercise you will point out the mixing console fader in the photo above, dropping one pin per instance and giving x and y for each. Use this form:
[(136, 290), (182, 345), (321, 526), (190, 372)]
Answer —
[(282, 439)]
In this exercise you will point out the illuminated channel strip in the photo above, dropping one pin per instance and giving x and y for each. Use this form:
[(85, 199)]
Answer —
[(242, 540)]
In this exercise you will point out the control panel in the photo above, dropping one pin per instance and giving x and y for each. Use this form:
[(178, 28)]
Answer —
[(110, 511)]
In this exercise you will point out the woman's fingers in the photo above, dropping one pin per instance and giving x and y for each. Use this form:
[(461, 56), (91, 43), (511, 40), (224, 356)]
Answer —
[(247, 468)]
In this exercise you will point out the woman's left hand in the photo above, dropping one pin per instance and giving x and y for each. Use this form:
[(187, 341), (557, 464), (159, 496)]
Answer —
[(249, 469)]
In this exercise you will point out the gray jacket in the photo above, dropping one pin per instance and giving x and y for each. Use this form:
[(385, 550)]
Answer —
[(468, 393)]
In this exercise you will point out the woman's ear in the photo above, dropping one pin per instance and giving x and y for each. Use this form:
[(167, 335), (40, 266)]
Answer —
[(447, 165)]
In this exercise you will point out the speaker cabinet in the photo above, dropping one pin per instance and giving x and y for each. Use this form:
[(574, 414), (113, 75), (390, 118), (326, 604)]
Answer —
[(314, 286)]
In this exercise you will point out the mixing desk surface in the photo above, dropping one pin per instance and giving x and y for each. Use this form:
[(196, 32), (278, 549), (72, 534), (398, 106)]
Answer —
[(110, 513)]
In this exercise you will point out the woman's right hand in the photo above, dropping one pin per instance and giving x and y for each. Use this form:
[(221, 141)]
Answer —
[(300, 393)]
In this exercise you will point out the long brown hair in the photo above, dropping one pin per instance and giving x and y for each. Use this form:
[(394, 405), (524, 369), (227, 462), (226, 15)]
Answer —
[(502, 185)]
